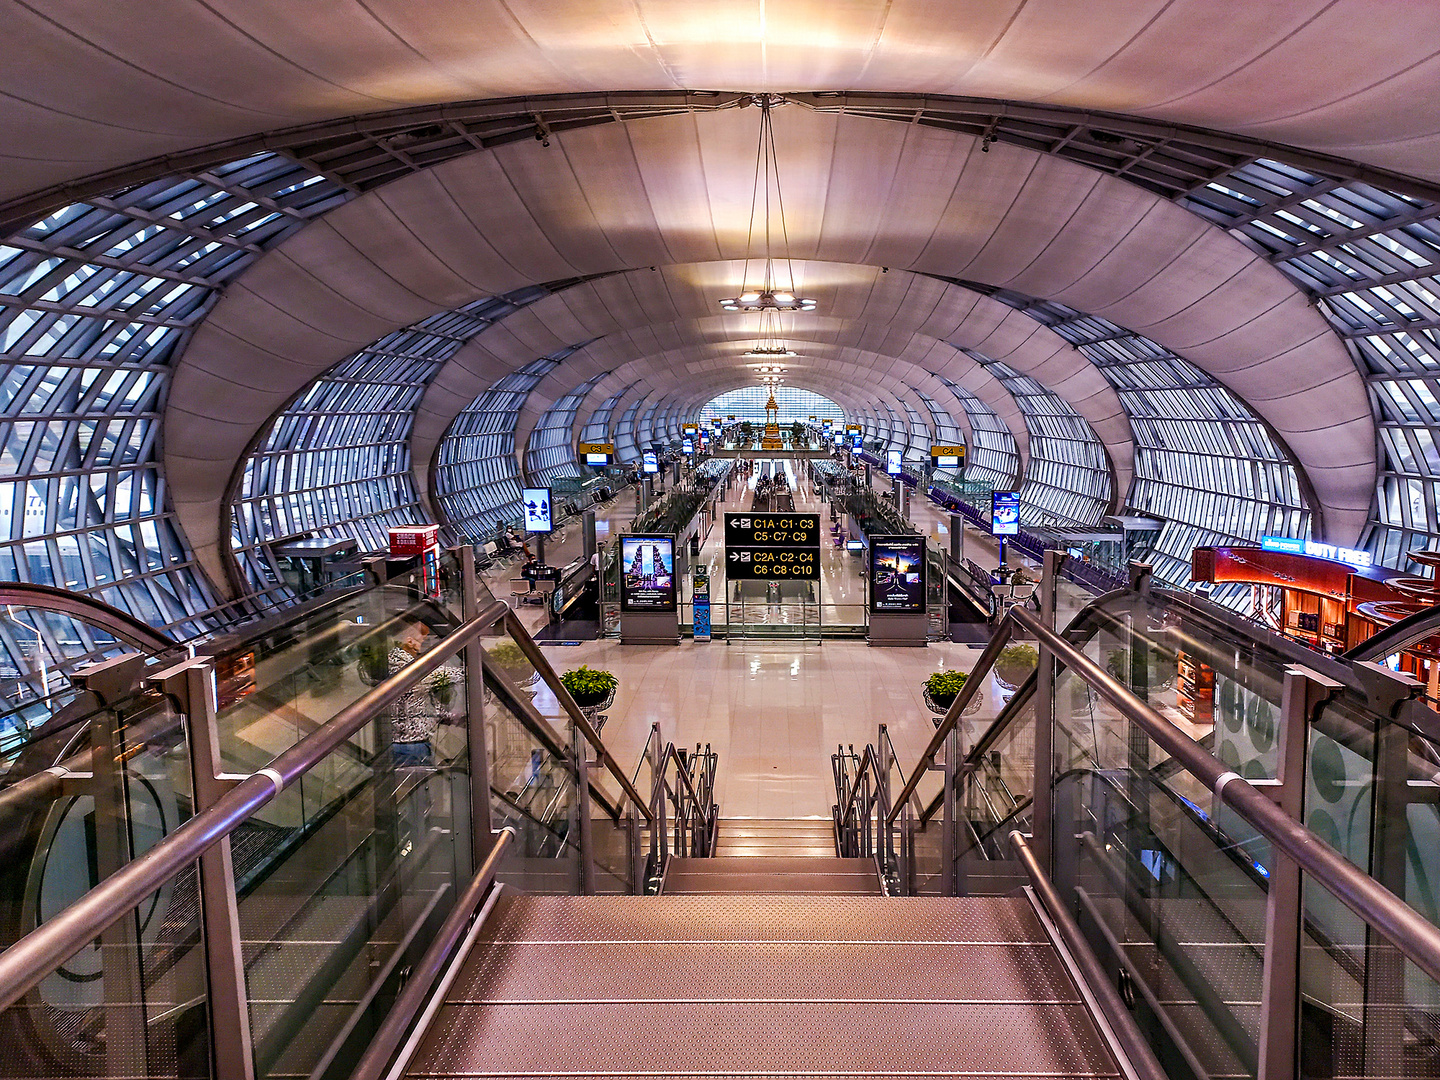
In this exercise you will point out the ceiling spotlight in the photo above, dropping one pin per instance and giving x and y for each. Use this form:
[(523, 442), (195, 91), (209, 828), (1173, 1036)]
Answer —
[(767, 301)]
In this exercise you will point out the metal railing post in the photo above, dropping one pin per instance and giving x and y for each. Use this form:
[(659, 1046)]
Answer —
[(191, 686), (949, 822), (482, 834), (124, 987), (1042, 792), (582, 811), (1304, 693)]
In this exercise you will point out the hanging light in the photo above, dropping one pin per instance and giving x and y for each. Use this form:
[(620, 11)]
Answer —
[(773, 292)]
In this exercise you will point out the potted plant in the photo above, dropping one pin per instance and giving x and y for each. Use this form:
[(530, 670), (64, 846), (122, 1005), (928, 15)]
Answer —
[(942, 688), (374, 663), (591, 688), (1159, 675), (506, 655), (442, 688), (1014, 665)]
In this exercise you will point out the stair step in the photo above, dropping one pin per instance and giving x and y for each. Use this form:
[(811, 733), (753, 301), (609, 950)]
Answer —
[(762, 986), (760, 874)]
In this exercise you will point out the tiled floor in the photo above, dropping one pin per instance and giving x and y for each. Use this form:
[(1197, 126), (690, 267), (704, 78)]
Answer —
[(775, 711)]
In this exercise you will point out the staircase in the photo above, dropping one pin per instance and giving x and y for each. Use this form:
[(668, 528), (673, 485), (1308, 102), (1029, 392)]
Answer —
[(793, 986), (755, 856)]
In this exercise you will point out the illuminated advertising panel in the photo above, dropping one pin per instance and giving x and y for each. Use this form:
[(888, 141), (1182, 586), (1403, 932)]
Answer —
[(892, 462), (1005, 513), (897, 575), (647, 579), (537, 509), (650, 461)]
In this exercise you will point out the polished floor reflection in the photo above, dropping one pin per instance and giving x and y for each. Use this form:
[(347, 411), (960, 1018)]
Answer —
[(774, 711)]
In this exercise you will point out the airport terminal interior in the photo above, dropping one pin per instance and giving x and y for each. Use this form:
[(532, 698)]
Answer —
[(780, 538)]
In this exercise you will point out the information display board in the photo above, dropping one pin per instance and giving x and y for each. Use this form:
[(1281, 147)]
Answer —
[(647, 575), (598, 454), (897, 575), (857, 441), (687, 446), (700, 595), (1005, 513), (892, 462), (947, 457), (650, 462), (772, 546), (537, 509)]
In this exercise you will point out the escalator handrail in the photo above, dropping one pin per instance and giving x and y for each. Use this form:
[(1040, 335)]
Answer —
[(31, 959), (1397, 921), (1397, 636), (87, 609)]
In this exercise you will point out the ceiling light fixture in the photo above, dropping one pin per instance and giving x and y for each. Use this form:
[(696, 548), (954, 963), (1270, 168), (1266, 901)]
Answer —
[(772, 292)]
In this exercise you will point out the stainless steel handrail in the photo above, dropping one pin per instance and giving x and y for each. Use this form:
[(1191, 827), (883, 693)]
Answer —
[(586, 729), (31, 959), (1402, 925), (1138, 1053), (952, 716), (421, 982)]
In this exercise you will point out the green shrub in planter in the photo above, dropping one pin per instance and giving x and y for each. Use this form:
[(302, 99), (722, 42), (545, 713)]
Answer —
[(507, 655), (1161, 670), (1015, 663), (943, 686), (589, 686)]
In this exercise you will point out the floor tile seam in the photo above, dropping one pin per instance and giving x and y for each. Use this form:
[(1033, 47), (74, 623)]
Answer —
[(877, 1001), (738, 1074), (752, 942)]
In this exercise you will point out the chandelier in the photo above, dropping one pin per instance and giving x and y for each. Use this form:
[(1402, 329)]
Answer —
[(771, 341), (774, 290)]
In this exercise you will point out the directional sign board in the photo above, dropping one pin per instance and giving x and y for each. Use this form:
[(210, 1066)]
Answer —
[(772, 564), (772, 530), (772, 546)]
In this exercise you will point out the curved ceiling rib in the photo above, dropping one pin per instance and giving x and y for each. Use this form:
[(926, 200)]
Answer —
[(894, 319), (496, 220), (103, 85)]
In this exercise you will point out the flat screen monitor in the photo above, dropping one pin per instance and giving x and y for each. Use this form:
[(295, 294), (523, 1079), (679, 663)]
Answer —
[(687, 446), (857, 441), (892, 462), (650, 461), (897, 575), (1005, 513), (647, 579), (598, 460), (946, 461), (537, 509)]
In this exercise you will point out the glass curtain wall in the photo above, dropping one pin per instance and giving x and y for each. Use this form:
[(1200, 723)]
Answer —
[(96, 301)]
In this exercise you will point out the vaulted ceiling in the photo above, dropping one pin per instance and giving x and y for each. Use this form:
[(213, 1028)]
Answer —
[(898, 229)]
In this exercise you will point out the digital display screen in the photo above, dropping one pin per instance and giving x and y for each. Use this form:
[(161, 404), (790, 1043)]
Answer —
[(647, 579), (537, 509), (688, 446), (897, 575), (597, 459), (946, 461), (857, 441), (892, 462), (650, 461), (1005, 513)]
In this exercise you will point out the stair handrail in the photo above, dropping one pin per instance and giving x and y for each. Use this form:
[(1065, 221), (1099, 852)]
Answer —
[(1403, 926), (35, 956), (587, 730)]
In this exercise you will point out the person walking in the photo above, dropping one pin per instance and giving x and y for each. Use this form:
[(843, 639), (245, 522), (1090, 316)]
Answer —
[(416, 716)]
